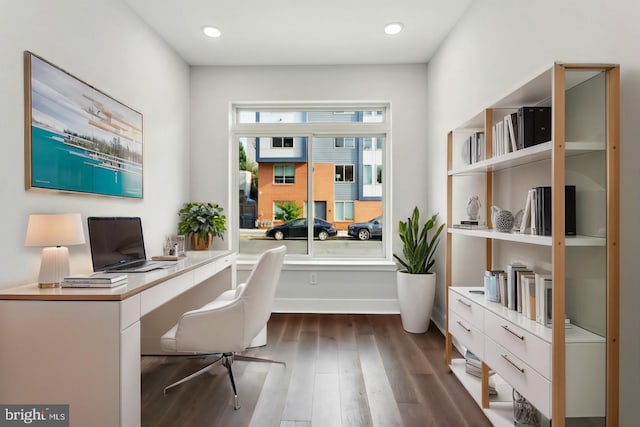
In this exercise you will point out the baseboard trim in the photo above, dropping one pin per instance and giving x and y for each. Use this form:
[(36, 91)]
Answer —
[(349, 306)]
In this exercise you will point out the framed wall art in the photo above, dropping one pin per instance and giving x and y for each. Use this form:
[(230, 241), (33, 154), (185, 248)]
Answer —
[(77, 138)]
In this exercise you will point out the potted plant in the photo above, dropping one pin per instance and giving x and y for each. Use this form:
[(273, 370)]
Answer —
[(203, 221), (415, 281)]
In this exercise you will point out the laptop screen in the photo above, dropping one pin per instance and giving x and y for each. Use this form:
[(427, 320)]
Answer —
[(115, 241)]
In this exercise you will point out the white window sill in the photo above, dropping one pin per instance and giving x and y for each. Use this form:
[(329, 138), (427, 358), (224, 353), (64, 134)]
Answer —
[(326, 264)]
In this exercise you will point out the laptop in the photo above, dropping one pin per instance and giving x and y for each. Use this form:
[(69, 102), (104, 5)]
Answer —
[(117, 245)]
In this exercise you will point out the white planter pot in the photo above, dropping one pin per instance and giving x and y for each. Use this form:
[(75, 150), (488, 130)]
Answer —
[(416, 295)]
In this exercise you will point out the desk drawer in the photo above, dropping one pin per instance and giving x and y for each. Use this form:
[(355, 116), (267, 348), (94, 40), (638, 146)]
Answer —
[(466, 334), (528, 347), (202, 273), (154, 297), (467, 309), (519, 375)]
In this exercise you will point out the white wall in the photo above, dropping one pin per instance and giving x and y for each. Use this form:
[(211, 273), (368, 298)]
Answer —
[(104, 44), (214, 88), (500, 44)]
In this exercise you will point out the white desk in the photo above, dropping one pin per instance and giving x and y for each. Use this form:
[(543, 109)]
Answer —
[(82, 346)]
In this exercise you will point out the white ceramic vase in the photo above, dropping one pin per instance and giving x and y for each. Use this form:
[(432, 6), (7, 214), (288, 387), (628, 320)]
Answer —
[(416, 295)]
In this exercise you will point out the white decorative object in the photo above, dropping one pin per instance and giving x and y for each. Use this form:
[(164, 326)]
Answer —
[(502, 219), (473, 207), (416, 295)]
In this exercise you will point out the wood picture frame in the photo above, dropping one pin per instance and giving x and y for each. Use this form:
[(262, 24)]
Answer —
[(77, 138)]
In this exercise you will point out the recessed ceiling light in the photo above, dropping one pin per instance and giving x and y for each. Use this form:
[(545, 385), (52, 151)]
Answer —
[(212, 32), (393, 28)]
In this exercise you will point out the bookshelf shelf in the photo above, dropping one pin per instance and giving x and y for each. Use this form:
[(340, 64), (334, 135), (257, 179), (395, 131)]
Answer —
[(529, 238), (583, 153), (528, 155)]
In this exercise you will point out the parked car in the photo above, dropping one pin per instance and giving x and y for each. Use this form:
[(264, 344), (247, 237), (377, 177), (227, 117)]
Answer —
[(298, 228), (371, 229)]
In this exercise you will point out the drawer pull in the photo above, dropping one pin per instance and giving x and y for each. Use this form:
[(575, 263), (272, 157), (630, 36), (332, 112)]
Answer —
[(463, 302), (505, 357), (506, 328), (463, 327)]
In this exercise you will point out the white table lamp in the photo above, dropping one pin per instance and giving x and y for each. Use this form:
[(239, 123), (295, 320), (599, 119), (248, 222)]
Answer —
[(54, 232)]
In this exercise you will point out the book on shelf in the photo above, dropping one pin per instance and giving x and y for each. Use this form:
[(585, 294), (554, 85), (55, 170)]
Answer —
[(502, 285), (510, 133), (474, 148), (534, 126), (521, 292), (512, 284), (491, 286), (526, 214), (95, 280), (470, 226)]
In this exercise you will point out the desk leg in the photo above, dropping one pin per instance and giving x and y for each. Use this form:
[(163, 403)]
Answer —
[(130, 382)]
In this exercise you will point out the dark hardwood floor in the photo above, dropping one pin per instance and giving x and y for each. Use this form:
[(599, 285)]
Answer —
[(342, 370)]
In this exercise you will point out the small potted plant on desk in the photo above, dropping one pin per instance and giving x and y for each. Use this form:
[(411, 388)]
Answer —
[(203, 221), (416, 283)]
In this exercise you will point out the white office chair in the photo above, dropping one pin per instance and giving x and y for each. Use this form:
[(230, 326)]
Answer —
[(229, 323)]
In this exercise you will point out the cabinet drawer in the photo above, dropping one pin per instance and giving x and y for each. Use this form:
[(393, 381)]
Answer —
[(519, 375), (467, 309), (528, 347), (469, 336)]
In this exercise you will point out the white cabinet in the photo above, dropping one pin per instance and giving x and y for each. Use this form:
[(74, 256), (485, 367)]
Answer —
[(519, 351), (564, 372)]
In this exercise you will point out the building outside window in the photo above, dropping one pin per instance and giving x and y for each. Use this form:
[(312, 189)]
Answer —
[(323, 163)]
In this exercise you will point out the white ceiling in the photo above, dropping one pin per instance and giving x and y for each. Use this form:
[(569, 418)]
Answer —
[(301, 32)]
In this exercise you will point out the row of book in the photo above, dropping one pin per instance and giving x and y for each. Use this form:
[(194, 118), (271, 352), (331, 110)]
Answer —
[(526, 127), (521, 289), (536, 217), (473, 150)]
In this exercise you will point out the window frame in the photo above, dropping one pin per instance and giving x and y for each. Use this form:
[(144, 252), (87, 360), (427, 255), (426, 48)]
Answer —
[(282, 139), (284, 176), (344, 173), (379, 130)]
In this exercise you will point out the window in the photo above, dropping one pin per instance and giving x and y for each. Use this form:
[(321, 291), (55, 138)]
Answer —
[(345, 142), (344, 211), (284, 174), (282, 142), (367, 174), (344, 173), (313, 162)]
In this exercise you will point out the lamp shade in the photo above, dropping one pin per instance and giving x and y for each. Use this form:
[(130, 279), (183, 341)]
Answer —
[(54, 230)]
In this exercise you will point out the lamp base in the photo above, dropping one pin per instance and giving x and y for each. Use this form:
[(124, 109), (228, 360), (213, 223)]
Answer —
[(48, 285), (54, 266)]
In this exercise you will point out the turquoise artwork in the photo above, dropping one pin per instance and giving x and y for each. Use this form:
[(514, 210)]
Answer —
[(81, 140)]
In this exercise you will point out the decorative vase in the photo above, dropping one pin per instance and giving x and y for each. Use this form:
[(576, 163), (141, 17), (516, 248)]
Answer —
[(201, 244), (473, 207), (416, 295), (502, 219)]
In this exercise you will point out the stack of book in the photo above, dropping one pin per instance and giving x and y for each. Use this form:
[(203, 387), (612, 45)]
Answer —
[(473, 366), (95, 280), (470, 225)]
